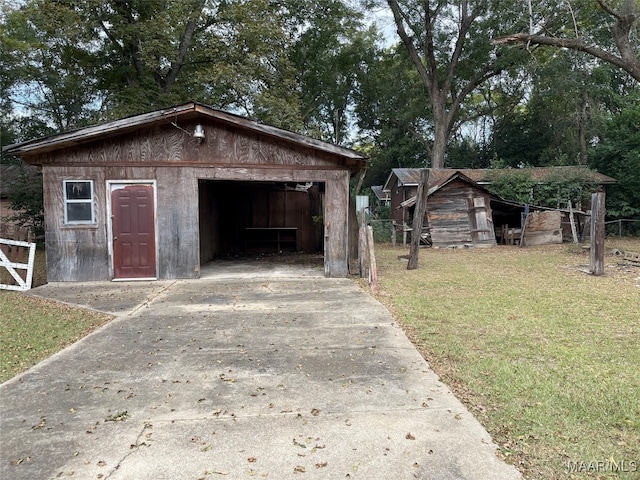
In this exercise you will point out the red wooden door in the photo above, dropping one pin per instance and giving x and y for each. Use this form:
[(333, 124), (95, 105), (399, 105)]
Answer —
[(133, 227)]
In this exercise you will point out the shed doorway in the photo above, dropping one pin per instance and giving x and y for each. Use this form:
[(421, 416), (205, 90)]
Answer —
[(241, 218)]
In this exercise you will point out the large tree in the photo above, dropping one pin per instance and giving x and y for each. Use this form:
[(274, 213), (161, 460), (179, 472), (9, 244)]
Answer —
[(68, 63), (617, 153), (331, 60), (449, 43)]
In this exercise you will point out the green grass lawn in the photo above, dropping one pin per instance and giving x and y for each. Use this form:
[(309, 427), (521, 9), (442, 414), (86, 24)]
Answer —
[(546, 357), (32, 329)]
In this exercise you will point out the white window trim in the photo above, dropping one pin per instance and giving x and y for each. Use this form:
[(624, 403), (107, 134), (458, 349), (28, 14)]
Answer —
[(67, 201)]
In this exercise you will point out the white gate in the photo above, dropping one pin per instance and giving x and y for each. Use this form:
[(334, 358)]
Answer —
[(9, 247)]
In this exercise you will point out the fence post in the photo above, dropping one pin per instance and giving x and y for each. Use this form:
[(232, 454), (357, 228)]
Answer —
[(574, 233), (393, 233), (597, 233), (418, 219)]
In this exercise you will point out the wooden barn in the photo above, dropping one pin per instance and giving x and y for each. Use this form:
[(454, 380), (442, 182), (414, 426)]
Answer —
[(157, 195)]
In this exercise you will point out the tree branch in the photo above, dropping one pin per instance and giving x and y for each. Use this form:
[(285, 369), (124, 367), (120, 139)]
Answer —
[(185, 43), (630, 63), (413, 53)]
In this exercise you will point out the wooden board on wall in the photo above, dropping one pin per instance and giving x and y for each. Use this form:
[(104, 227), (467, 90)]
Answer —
[(543, 228)]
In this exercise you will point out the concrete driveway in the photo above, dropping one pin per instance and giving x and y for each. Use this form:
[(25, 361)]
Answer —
[(255, 370)]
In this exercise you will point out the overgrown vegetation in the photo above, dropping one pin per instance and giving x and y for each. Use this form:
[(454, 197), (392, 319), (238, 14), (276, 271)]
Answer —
[(556, 190), (544, 355)]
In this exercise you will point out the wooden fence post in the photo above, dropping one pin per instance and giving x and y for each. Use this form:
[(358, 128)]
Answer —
[(393, 233), (418, 219), (597, 233), (574, 233)]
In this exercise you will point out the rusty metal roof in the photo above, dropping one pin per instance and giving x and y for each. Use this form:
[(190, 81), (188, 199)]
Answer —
[(380, 193), (483, 176)]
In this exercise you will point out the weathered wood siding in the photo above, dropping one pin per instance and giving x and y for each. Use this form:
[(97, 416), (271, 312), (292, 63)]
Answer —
[(543, 228), (208, 223), (452, 213), (168, 145), (74, 252), (176, 162)]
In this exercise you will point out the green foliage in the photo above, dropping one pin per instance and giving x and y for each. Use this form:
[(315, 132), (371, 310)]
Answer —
[(331, 60), (618, 154), (554, 191), (71, 63), (380, 220), (27, 203), (517, 186)]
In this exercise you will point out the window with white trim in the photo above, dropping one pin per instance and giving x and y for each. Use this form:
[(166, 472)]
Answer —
[(78, 201)]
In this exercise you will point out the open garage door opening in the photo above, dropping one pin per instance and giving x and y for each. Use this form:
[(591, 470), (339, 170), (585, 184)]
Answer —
[(238, 218)]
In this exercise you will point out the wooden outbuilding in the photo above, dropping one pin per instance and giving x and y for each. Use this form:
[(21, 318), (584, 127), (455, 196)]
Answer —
[(157, 195), (458, 213), (463, 212)]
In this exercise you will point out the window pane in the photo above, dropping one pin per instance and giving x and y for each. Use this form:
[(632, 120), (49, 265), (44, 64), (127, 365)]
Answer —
[(79, 212), (78, 190)]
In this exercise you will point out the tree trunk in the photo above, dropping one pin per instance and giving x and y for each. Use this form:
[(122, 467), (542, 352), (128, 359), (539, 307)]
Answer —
[(441, 129), (597, 233), (418, 219), (439, 148)]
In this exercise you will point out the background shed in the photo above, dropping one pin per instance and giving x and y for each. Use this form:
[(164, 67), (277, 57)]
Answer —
[(459, 213)]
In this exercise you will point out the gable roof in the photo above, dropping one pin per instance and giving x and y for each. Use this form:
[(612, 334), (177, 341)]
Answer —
[(407, 177), (189, 110), (380, 193), (410, 177), (440, 182)]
